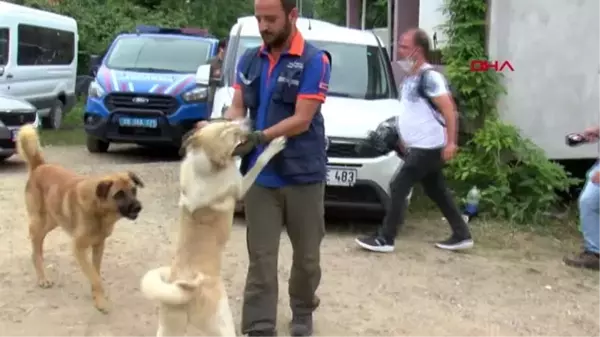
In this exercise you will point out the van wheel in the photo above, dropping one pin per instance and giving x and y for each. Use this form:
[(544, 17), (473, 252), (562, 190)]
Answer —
[(95, 145), (55, 117)]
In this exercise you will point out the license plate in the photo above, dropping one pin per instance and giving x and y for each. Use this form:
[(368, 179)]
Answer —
[(339, 176), (151, 123)]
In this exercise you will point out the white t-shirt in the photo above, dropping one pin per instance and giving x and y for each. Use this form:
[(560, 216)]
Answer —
[(417, 121)]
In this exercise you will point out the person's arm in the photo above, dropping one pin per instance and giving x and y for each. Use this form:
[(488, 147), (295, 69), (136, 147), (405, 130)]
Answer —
[(592, 134), (437, 89), (311, 93), (237, 109)]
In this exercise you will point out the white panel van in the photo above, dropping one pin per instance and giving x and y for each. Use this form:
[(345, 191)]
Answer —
[(38, 59)]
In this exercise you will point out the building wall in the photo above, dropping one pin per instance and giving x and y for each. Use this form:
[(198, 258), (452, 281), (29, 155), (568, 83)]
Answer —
[(553, 46), (431, 18)]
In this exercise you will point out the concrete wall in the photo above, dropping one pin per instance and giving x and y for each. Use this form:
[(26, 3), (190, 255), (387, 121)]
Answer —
[(431, 17), (554, 48)]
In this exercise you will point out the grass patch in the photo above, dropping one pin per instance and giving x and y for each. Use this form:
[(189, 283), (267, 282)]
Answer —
[(71, 131)]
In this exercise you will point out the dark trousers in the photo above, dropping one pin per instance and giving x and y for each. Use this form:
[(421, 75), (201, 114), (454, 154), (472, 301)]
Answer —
[(300, 209), (425, 166)]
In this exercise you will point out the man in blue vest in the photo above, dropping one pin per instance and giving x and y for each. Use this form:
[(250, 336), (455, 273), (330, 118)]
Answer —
[(282, 84)]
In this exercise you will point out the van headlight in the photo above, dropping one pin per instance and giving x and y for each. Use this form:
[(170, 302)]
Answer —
[(380, 141), (195, 95), (95, 90), (388, 123)]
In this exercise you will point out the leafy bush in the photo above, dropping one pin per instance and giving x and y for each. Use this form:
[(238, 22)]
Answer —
[(516, 179)]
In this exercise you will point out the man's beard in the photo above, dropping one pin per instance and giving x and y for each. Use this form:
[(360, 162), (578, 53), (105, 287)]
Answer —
[(277, 40)]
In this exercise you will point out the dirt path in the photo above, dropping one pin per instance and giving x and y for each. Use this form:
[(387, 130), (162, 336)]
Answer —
[(522, 289)]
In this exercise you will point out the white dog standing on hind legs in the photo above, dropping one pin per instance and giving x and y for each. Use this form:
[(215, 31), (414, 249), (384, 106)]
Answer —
[(191, 290)]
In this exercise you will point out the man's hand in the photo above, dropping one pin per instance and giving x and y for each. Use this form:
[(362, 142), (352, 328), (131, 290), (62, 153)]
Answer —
[(592, 134), (449, 151), (596, 177), (201, 124), (254, 139)]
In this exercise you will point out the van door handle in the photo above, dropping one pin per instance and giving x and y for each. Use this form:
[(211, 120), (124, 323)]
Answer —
[(9, 76)]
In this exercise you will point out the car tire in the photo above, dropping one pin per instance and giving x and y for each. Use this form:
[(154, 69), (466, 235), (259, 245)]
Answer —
[(95, 145), (55, 117)]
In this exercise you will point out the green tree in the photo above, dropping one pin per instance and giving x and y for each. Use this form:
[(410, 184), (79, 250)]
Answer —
[(100, 21)]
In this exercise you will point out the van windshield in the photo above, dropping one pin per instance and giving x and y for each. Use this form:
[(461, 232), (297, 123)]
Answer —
[(159, 54), (358, 71)]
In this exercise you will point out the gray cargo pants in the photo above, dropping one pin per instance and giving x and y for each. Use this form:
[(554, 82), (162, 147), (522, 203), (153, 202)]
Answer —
[(300, 209)]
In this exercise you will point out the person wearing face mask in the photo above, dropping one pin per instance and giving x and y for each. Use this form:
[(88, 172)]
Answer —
[(429, 143)]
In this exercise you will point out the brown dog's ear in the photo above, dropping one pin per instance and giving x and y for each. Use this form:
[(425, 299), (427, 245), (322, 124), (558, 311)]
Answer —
[(136, 179), (103, 188)]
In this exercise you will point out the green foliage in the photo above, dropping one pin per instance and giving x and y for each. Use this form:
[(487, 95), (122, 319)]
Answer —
[(465, 30), (518, 182), (334, 11), (71, 131), (100, 21)]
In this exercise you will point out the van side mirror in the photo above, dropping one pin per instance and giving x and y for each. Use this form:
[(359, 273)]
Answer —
[(94, 64), (203, 75)]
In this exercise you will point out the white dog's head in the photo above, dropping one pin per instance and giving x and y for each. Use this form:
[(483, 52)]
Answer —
[(217, 140)]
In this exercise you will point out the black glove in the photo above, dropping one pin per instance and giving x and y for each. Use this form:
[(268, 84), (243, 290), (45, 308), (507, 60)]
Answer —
[(254, 139)]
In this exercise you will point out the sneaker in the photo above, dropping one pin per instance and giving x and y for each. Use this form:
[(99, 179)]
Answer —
[(585, 259), (375, 243), (262, 333), (301, 325), (454, 243)]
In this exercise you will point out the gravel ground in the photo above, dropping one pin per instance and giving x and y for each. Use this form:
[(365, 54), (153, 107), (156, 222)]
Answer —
[(508, 285)]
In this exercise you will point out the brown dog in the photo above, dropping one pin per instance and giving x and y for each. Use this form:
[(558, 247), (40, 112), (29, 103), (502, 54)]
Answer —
[(87, 208)]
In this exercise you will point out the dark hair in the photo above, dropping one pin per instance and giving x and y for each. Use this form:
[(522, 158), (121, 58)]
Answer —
[(421, 40), (288, 5), (222, 43)]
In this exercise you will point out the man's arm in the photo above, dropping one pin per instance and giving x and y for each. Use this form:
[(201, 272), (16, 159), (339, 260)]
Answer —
[(312, 91), (237, 109), (437, 88)]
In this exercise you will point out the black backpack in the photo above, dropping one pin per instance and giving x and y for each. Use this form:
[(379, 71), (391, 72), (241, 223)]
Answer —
[(438, 116)]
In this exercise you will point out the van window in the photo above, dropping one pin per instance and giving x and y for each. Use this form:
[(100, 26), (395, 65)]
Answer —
[(159, 53), (358, 71), (4, 42), (42, 46)]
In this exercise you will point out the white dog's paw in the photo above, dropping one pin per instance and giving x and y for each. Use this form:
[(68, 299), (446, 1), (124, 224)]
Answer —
[(276, 145), (190, 285)]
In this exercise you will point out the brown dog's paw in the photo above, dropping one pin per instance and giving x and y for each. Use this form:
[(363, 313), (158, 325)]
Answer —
[(45, 284), (102, 304)]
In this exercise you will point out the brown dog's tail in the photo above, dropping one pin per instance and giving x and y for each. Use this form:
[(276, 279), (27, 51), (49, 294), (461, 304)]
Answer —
[(28, 146), (154, 286)]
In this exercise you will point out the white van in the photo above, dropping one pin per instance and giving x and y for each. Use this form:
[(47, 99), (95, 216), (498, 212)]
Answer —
[(38, 59), (362, 94)]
